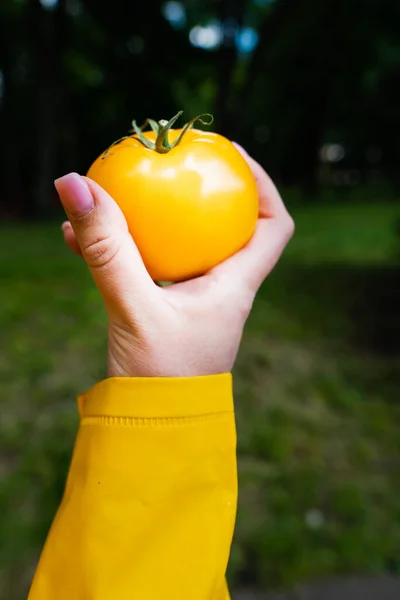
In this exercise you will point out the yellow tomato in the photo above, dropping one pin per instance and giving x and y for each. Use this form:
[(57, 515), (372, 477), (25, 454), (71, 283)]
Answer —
[(187, 209)]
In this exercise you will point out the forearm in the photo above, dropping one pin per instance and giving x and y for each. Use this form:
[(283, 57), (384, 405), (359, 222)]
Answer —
[(149, 506)]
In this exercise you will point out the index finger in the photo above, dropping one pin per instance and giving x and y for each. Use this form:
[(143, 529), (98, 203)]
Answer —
[(251, 265), (270, 201)]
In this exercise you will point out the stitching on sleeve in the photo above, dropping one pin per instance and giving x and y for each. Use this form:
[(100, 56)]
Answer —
[(120, 421)]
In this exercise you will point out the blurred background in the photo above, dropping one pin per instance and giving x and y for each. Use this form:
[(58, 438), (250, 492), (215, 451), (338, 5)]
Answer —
[(312, 90)]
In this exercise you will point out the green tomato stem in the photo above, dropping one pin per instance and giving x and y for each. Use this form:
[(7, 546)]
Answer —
[(161, 129)]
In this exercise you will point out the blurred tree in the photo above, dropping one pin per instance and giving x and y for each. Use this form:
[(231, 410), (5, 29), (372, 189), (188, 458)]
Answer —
[(231, 15), (45, 32), (87, 72), (74, 73), (11, 128), (306, 79)]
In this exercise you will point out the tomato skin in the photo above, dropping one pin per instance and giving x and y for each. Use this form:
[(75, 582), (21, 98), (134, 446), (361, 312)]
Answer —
[(187, 210)]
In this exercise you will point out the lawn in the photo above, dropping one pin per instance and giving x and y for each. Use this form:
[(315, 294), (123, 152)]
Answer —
[(316, 387)]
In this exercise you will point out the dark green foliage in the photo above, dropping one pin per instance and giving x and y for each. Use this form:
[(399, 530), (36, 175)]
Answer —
[(74, 78)]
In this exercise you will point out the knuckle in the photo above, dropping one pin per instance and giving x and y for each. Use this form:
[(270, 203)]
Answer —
[(245, 303), (101, 252), (81, 218), (237, 301), (289, 226)]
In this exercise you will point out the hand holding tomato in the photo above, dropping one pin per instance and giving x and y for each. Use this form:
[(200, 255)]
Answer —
[(188, 196), (186, 329)]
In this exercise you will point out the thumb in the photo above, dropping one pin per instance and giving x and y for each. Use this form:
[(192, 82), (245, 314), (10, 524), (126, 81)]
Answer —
[(105, 243)]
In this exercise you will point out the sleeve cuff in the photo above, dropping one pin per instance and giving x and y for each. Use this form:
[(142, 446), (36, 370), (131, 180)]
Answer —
[(158, 397)]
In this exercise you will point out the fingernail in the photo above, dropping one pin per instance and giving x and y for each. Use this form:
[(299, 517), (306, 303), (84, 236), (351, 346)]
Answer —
[(65, 225), (75, 194), (240, 148)]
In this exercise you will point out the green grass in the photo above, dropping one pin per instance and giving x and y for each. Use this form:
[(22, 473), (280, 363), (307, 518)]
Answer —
[(315, 387), (346, 233)]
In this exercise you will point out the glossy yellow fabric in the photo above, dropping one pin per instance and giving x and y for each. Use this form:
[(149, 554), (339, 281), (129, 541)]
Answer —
[(149, 505)]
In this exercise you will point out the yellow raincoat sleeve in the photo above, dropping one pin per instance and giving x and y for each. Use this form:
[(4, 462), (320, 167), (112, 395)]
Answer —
[(149, 506)]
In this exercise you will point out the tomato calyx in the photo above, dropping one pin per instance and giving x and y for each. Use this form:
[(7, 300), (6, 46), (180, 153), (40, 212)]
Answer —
[(161, 129)]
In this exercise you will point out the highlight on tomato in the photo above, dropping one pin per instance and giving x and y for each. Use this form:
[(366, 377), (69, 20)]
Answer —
[(189, 197)]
